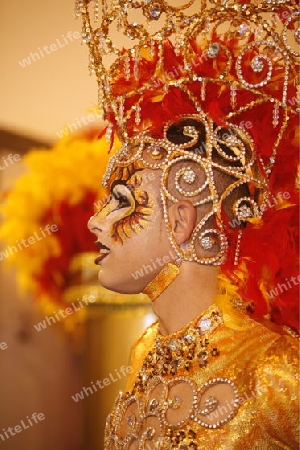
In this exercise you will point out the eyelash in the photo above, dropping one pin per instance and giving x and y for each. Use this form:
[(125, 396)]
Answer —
[(123, 202)]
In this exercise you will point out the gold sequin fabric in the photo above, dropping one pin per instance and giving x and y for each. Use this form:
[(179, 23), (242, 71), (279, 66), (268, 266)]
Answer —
[(209, 386)]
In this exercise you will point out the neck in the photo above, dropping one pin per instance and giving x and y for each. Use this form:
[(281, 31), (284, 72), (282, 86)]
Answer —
[(190, 293)]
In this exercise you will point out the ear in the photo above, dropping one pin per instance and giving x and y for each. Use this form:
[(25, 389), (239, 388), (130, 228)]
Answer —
[(182, 217)]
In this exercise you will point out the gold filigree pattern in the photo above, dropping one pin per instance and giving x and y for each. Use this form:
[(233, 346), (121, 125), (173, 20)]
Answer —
[(190, 175)]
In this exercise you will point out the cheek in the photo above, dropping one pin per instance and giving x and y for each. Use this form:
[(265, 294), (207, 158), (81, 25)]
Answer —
[(127, 227), (135, 222)]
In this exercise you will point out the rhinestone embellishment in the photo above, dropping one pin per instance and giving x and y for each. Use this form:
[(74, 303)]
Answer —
[(175, 402), (189, 176), (155, 152), (172, 345), (207, 242), (257, 64), (153, 404), (243, 29), (210, 405), (150, 433), (154, 12), (213, 50), (204, 324), (167, 410), (131, 420), (244, 212)]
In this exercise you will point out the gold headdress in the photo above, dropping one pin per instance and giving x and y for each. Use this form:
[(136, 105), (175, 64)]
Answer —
[(244, 52), (208, 66)]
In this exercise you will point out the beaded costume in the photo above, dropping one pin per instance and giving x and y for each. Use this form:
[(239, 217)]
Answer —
[(173, 403), (207, 94)]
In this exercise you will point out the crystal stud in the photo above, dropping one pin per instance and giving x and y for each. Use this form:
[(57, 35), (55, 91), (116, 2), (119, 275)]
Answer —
[(189, 176), (175, 402), (207, 242), (204, 324), (213, 50), (257, 64), (131, 420), (155, 152), (155, 12)]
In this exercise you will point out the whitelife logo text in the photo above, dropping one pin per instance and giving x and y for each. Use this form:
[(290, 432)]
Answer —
[(111, 378), (48, 49), (37, 236), (9, 160), (24, 424)]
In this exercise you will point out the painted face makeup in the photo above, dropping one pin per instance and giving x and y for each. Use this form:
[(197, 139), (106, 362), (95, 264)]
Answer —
[(130, 231), (129, 205)]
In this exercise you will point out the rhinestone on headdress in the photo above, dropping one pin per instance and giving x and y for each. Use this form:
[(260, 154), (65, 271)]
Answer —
[(245, 212), (152, 26), (213, 50), (189, 176), (155, 152), (207, 242), (257, 64), (157, 63), (154, 11)]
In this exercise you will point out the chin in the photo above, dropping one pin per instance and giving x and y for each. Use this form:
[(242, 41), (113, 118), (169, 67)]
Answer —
[(120, 286)]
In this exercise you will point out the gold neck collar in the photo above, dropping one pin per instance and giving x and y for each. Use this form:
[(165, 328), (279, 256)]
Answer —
[(161, 281)]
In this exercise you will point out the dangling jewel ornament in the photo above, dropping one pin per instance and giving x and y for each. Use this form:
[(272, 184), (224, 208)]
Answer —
[(96, 10), (127, 68), (108, 133), (137, 114), (238, 248), (136, 65), (233, 95), (275, 115), (203, 86)]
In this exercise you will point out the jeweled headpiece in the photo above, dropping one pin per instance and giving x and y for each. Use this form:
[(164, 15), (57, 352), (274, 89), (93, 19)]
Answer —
[(193, 155), (238, 55), (222, 64)]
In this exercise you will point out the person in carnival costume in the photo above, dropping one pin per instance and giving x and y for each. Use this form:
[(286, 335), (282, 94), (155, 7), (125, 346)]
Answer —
[(202, 216)]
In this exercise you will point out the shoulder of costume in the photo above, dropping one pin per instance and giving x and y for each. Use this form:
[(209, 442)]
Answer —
[(139, 351)]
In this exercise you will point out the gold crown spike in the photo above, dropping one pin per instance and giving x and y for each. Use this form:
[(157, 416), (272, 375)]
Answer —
[(244, 52), (252, 40)]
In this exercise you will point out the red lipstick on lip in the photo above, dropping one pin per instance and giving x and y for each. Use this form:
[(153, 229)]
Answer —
[(100, 258), (103, 250)]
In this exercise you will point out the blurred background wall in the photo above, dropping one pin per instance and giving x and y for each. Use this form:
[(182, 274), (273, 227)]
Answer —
[(49, 92), (38, 370)]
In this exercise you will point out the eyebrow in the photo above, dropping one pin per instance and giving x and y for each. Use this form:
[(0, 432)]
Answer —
[(115, 182)]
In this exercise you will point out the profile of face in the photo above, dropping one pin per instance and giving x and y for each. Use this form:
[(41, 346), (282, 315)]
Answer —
[(131, 233), (192, 178)]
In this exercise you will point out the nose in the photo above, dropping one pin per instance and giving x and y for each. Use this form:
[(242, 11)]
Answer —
[(94, 223)]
